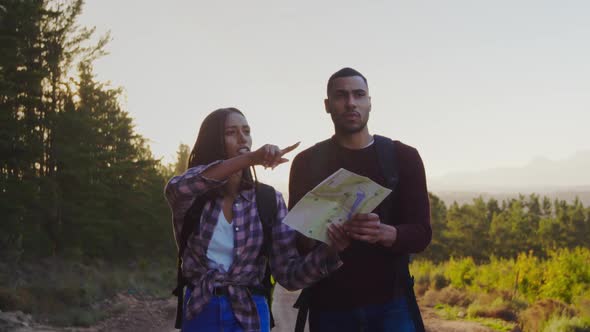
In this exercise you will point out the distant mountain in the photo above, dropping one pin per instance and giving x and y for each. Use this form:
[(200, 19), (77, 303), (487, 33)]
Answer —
[(539, 175), (467, 197), (562, 179)]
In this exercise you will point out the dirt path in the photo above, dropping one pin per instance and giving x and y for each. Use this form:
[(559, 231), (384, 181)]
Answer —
[(434, 323), (141, 315), (158, 316), (285, 316), (135, 315)]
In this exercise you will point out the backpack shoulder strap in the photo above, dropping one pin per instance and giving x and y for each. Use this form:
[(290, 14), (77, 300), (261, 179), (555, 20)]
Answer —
[(390, 170), (385, 155), (266, 203), (387, 160), (192, 222), (318, 159)]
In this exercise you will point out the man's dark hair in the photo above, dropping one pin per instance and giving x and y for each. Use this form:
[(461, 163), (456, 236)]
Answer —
[(344, 72)]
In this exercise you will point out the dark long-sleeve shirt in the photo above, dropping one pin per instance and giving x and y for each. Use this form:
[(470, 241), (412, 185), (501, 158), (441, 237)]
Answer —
[(371, 273)]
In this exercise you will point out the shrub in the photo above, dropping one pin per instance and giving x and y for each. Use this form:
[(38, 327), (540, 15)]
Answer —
[(439, 281), (567, 274), (491, 306), (582, 304), (567, 324), (449, 296), (535, 317), (461, 273)]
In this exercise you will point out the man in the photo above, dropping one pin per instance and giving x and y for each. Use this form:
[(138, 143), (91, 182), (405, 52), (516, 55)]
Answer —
[(372, 291)]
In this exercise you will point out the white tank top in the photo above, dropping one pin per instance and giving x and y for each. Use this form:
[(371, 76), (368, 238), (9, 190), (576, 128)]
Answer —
[(221, 248)]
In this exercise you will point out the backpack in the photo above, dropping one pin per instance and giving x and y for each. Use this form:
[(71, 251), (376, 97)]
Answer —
[(389, 168), (267, 211)]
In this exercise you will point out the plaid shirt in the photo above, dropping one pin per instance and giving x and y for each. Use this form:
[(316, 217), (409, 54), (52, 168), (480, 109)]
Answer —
[(288, 268)]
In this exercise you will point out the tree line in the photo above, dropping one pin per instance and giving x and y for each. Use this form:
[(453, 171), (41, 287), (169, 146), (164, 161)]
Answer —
[(75, 178), (505, 229)]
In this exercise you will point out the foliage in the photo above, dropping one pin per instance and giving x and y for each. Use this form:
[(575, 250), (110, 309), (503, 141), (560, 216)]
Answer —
[(536, 292), (66, 292), (75, 179), (568, 324), (485, 230)]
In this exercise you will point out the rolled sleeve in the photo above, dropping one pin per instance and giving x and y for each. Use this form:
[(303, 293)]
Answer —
[(191, 184), (182, 190), (328, 261)]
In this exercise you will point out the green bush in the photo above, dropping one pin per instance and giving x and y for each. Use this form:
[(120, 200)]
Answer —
[(582, 303), (567, 274), (567, 324), (461, 273), (439, 281), (533, 289), (492, 306), (535, 317), (564, 275)]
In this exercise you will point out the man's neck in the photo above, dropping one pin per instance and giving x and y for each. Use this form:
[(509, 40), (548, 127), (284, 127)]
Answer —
[(354, 141)]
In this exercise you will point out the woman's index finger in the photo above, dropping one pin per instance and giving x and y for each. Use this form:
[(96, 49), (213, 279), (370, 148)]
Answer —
[(290, 148)]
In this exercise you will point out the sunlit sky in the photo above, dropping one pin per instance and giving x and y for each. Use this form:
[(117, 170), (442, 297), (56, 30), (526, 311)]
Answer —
[(471, 84)]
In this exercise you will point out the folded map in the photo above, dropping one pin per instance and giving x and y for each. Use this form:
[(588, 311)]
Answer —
[(334, 200)]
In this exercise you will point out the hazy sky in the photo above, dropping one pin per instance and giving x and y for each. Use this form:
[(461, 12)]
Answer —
[(471, 84)]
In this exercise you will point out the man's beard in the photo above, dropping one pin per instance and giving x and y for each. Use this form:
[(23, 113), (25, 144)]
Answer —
[(344, 129)]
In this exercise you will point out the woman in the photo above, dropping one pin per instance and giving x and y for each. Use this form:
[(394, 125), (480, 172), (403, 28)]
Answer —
[(221, 262)]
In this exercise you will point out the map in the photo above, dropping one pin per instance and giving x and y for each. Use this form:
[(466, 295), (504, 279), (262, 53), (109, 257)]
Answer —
[(334, 200)]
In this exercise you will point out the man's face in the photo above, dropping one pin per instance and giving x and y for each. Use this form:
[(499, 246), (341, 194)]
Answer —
[(349, 104), (237, 135)]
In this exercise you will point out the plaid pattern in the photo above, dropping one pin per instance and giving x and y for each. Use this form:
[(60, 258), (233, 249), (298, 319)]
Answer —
[(288, 268)]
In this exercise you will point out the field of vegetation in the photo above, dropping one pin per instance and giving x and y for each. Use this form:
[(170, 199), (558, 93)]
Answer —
[(536, 294), (521, 262)]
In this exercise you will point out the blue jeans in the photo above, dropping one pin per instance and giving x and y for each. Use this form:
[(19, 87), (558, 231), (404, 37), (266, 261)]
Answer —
[(218, 316), (393, 316)]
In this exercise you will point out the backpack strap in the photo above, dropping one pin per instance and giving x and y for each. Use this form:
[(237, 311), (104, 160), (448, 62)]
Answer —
[(192, 222), (302, 304), (385, 156), (389, 167), (413, 306), (318, 160), (387, 160), (266, 203)]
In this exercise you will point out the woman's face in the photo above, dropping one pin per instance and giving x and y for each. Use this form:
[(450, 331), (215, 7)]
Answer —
[(237, 135)]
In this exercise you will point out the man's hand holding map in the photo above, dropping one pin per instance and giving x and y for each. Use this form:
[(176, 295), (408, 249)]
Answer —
[(334, 200)]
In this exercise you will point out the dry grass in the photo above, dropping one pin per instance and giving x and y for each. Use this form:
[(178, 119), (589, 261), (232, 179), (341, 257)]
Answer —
[(536, 316), (67, 293), (496, 305), (448, 295)]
